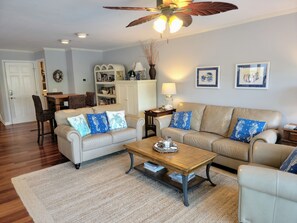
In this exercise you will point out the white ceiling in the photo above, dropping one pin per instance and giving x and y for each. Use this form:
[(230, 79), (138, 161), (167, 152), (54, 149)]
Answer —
[(35, 24)]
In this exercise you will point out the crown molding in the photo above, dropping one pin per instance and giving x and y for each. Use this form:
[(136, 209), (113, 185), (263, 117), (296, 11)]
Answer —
[(17, 51), (54, 49), (89, 50)]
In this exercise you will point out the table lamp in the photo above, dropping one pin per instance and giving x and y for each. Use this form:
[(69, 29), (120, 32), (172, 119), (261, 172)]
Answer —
[(138, 68), (168, 89)]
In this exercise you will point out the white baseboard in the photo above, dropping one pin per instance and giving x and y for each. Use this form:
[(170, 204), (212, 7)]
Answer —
[(4, 123)]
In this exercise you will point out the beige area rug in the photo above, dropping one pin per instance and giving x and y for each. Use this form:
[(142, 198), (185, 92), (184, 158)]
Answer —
[(101, 192)]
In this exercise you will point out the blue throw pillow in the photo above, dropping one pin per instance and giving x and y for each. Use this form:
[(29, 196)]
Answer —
[(181, 120), (98, 123), (80, 124), (290, 164), (246, 129)]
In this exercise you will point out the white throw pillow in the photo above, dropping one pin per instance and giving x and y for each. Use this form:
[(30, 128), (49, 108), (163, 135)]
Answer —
[(116, 119)]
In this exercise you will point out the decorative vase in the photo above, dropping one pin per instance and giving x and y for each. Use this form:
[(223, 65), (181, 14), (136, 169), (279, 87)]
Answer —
[(152, 72)]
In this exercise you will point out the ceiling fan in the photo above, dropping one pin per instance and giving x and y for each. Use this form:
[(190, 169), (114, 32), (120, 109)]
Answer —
[(176, 13)]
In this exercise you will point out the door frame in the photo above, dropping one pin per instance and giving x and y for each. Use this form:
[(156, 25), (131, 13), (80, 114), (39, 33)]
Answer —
[(39, 81), (6, 100)]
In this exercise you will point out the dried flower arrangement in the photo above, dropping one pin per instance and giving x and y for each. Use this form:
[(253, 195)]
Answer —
[(150, 51)]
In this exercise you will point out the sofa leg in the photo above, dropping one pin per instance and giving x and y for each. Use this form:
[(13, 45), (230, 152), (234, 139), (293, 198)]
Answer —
[(77, 166)]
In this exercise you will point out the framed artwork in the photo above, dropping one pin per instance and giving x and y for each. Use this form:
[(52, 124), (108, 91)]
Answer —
[(252, 75), (208, 77)]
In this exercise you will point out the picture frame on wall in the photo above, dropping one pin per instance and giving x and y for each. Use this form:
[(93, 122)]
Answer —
[(252, 75), (208, 77)]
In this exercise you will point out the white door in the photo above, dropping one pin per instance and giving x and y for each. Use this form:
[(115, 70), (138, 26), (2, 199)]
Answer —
[(21, 86)]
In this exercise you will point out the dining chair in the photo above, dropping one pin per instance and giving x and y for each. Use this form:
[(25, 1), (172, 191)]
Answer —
[(41, 117), (77, 101), (91, 99)]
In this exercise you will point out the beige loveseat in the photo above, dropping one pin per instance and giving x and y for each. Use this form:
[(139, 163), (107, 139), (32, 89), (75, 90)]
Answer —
[(267, 194), (79, 149), (211, 127)]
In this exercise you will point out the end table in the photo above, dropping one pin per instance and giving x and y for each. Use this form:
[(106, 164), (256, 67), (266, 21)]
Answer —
[(289, 137), (149, 119)]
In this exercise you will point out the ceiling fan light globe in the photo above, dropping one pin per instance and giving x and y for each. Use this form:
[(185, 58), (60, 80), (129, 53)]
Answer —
[(160, 24), (175, 24)]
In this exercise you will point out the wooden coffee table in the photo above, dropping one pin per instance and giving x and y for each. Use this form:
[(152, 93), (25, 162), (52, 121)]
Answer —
[(185, 161)]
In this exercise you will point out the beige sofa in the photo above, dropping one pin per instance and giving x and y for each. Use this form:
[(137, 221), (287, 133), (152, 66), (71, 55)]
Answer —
[(267, 194), (211, 127), (79, 149)]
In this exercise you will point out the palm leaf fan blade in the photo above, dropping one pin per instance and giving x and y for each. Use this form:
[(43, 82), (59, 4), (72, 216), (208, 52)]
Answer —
[(208, 8), (143, 20)]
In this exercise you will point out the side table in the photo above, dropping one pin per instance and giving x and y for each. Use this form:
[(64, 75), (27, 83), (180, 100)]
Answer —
[(149, 119), (289, 137)]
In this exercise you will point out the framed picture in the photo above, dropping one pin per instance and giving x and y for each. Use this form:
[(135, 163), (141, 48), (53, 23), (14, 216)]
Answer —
[(208, 77), (252, 75)]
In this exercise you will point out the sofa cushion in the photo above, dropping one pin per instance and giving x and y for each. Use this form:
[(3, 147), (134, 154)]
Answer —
[(121, 135), (197, 113), (290, 164), (246, 129), (62, 115), (98, 123), (201, 140), (79, 123), (272, 118), (232, 149), (216, 119), (175, 134), (103, 108), (116, 119), (96, 141), (181, 120)]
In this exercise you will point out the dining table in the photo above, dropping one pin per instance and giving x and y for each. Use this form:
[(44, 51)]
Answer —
[(58, 98)]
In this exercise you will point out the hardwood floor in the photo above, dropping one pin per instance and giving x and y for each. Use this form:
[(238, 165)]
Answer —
[(19, 154)]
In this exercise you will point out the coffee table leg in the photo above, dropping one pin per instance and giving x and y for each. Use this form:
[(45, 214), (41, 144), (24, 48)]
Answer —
[(185, 190), (132, 162), (207, 174)]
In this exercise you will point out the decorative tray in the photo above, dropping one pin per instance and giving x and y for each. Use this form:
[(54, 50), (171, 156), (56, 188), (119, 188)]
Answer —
[(160, 147)]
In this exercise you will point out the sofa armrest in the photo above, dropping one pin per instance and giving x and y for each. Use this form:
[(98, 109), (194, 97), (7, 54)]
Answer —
[(67, 132), (270, 154), (69, 143), (266, 195), (136, 122), (162, 122), (268, 136)]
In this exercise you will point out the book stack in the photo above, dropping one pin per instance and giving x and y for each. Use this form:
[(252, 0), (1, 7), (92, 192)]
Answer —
[(153, 167), (178, 177)]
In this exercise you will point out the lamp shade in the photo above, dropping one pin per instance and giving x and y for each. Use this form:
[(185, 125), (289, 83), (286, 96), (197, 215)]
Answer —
[(168, 88), (138, 67)]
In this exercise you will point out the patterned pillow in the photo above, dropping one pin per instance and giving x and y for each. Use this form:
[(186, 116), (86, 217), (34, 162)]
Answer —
[(290, 164), (80, 124), (246, 129), (98, 123), (181, 120), (116, 119)]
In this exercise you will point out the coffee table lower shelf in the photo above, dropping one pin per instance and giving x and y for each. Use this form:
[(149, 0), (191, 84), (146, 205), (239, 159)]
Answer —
[(163, 177)]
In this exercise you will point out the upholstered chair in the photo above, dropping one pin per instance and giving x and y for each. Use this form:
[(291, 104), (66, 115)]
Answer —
[(267, 194), (41, 117), (91, 99), (77, 101)]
